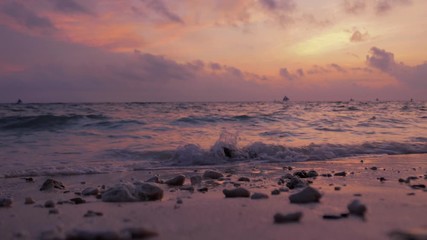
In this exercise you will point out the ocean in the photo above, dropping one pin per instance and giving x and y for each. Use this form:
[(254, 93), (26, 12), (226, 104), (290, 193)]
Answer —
[(91, 138)]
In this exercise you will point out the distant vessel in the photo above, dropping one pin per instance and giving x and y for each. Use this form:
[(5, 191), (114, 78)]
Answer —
[(285, 99), (19, 101)]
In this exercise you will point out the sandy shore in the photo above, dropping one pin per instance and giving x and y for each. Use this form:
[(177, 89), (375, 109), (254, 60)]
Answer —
[(181, 214)]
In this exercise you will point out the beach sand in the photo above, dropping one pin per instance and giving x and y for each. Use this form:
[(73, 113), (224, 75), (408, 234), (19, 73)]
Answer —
[(393, 208)]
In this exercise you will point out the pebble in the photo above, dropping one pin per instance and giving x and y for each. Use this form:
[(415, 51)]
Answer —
[(382, 179), (29, 179), (337, 188), (91, 213), (275, 192), (77, 200), (334, 216), (29, 200), (257, 195), (132, 193), (236, 193), (176, 181), (209, 174), (295, 182), (203, 189), (418, 186), (287, 218), (307, 195), (5, 202), (51, 184), (196, 180), (90, 191), (374, 168), (53, 211), (357, 208), (49, 204), (326, 175), (341, 174), (179, 201), (244, 179)]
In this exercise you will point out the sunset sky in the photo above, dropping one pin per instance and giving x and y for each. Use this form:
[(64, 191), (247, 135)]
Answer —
[(212, 50)]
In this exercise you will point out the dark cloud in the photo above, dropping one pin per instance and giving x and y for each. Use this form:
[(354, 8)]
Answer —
[(357, 36), (380, 59), (384, 6), (354, 6), (72, 72), (25, 17), (415, 76), (280, 10), (159, 7), (70, 7)]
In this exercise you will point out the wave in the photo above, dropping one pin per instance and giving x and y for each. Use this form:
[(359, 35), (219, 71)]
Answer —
[(43, 122), (226, 150)]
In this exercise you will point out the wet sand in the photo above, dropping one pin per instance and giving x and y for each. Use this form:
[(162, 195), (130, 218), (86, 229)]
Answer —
[(393, 208)]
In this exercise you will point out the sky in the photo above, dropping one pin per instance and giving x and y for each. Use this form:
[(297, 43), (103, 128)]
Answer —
[(212, 50)]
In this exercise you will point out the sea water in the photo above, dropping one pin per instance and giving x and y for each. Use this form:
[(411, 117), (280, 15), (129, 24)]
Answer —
[(85, 138)]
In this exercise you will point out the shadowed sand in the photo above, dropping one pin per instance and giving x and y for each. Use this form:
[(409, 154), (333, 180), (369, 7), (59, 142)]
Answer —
[(393, 208)]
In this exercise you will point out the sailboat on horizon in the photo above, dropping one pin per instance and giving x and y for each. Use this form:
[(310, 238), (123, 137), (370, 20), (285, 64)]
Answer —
[(285, 99)]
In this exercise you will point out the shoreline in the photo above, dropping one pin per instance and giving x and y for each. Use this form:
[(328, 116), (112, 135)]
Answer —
[(182, 214)]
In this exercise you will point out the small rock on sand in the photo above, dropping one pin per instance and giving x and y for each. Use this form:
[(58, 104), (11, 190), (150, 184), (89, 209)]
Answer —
[(307, 195), (418, 186), (53, 211), (49, 204), (275, 192), (29, 200), (295, 182), (287, 218), (51, 184), (78, 200), (374, 168), (335, 216), (90, 191), (132, 193), (176, 181), (357, 208), (91, 213), (244, 179), (196, 180), (203, 189), (5, 202), (257, 195), (340, 174), (209, 174), (236, 193)]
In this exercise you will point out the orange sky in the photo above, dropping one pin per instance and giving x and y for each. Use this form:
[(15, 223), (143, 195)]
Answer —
[(243, 49)]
